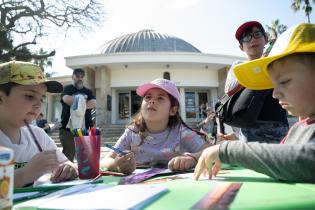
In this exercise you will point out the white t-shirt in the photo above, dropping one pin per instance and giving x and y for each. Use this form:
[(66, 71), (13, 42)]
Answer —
[(27, 148), (231, 80)]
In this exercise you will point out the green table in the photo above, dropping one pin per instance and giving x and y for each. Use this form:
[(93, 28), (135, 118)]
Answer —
[(257, 192)]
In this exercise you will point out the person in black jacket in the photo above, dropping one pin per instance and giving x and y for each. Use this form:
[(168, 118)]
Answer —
[(271, 124), (67, 98)]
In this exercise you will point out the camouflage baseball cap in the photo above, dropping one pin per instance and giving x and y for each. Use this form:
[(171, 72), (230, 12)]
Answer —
[(25, 73)]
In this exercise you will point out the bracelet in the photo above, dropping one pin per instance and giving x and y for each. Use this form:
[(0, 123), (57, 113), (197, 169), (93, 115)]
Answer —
[(192, 156)]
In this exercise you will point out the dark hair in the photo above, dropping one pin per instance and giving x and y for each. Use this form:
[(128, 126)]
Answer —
[(249, 30), (139, 126), (6, 88), (78, 71)]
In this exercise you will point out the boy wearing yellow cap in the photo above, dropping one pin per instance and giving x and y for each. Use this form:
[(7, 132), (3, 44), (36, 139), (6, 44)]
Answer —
[(22, 87), (290, 70)]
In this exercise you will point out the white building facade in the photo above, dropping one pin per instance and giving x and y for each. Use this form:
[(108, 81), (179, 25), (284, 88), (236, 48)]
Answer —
[(133, 59)]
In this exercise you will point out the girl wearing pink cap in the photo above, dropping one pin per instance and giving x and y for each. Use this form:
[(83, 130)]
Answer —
[(157, 135)]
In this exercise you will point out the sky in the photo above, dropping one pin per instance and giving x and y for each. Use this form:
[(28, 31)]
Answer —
[(206, 24)]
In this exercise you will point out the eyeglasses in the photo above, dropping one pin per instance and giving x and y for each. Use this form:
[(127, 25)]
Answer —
[(256, 35)]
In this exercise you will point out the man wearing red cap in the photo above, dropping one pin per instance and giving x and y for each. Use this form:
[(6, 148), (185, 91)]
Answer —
[(271, 124)]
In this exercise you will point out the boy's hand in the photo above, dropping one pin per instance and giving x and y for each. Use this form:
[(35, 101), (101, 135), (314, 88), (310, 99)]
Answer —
[(41, 163), (126, 164), (181, 163), (65, 171), (208, 162)]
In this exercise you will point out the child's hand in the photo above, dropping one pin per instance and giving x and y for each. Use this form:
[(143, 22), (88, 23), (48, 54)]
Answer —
[(126, 164), (181, 163), (208, 162), (64, 171), (222, 137), (41, 163)]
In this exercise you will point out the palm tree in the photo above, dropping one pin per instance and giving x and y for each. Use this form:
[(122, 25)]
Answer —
[(274, 31), (307, 8)]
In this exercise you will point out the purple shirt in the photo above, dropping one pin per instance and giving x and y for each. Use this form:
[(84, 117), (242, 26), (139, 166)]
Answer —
[(161, 147)]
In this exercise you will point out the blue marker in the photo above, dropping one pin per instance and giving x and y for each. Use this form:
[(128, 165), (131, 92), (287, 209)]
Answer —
[(116, 150)]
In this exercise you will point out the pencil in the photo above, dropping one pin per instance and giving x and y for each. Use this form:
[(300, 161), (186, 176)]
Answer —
[(116, 150)]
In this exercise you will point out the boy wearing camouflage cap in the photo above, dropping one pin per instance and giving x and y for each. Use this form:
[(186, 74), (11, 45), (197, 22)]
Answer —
[(22, 86)]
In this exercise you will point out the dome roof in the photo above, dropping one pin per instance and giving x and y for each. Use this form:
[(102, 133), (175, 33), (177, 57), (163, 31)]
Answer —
[(147, 41)]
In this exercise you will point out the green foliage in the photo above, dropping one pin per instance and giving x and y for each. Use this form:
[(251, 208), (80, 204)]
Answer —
[(275, 29), (22, 22)]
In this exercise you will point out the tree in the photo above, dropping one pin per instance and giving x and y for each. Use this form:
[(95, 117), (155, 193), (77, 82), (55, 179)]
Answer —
[(276, 29), (307, 8), (22, 22), (43, 62)]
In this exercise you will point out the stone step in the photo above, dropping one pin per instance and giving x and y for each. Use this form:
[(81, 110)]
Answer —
[(105, 139)]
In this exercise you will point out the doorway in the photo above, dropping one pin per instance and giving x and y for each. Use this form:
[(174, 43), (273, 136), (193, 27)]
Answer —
[(128, 104), (196, 103)]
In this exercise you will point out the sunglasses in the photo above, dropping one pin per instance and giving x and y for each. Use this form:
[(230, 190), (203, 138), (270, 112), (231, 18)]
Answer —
[(256, 35)]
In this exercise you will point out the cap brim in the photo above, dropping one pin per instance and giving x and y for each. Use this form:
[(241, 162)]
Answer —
[(254, 74), (53, 86), (141, 90)]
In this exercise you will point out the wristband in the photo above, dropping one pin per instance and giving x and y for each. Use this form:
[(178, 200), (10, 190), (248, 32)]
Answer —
[(192, 156)]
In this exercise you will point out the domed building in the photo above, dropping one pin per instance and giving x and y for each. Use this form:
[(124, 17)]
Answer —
[(122, 64)]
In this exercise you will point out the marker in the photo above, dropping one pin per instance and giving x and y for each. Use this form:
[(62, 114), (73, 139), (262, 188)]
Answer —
[(116, 150)]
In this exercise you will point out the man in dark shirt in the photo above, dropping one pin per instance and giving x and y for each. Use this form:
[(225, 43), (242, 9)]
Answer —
[(67, 98)]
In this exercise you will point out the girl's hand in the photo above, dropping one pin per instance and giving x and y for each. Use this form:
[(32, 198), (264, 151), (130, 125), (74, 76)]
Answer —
[(208, 162), (181, 163), (41, 163), (126, 164), (64, 171)]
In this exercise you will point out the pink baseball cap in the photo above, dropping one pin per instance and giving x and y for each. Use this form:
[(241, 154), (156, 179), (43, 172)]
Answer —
[(163, 84)]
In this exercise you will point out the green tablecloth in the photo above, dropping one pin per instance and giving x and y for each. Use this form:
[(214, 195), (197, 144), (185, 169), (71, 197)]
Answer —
[(257, 192)]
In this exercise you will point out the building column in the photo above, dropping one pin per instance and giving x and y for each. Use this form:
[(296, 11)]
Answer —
[(214, 96), (182, 103), (114, 107), (50, 105), (102, 89)]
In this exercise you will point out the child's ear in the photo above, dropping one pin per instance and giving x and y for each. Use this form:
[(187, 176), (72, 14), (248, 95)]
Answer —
[(241, 47), (173, 110)]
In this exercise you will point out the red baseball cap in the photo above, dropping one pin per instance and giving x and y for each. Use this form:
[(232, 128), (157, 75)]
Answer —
[(244, 26)]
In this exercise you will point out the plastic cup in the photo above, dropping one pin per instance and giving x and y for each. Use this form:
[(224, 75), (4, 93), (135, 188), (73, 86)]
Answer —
[(87, 150)]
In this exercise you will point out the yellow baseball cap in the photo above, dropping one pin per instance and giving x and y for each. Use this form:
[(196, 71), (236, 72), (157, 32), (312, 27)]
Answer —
[(25, 73), (297, 39)]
